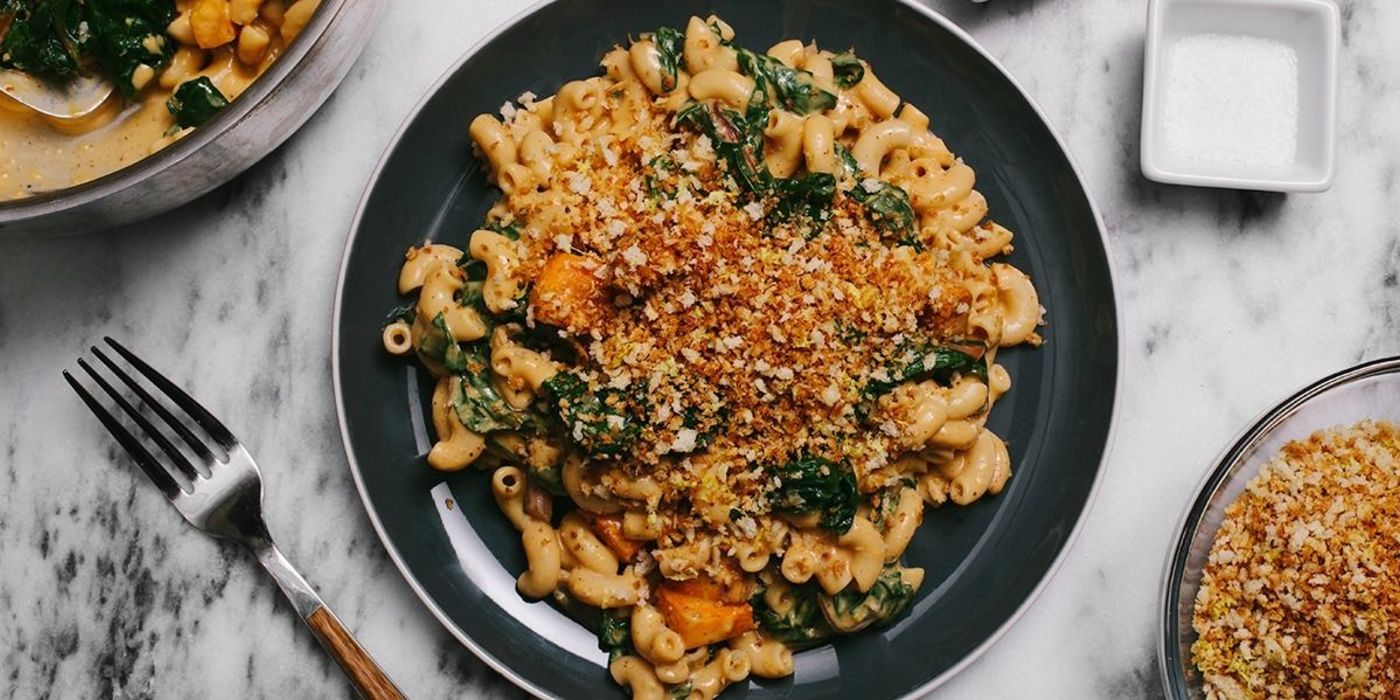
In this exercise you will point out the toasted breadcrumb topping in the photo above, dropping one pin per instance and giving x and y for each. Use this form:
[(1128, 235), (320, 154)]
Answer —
[(751, 336), (1300, 597)]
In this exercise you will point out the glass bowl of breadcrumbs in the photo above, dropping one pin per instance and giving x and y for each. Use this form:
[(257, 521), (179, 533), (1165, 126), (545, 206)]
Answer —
[(1284, 578)]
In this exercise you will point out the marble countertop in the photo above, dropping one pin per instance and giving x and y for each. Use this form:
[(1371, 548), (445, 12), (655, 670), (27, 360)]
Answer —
[(1231, 300)]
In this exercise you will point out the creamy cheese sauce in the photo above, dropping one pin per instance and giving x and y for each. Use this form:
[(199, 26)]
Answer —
[(37, 156)]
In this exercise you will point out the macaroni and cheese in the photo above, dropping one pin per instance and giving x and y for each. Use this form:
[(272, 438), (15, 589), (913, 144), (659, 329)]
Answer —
[(730, 330)]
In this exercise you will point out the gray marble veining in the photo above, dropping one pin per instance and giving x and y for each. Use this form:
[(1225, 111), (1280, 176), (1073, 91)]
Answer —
[(1231, 300)]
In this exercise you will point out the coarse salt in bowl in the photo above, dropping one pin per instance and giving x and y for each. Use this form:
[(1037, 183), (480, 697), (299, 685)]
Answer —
[(1241, 93)]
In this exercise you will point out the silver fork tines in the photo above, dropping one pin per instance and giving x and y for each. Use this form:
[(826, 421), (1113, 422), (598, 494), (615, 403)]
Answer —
[(223, 499), (146, 458), (184, 432)]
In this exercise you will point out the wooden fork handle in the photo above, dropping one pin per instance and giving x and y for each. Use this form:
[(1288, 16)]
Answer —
[(363, 672)]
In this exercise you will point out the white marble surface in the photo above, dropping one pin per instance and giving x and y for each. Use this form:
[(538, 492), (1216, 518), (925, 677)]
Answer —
[(1230, 300)]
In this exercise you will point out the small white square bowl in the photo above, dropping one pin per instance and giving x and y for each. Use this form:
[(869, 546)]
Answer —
[(1311, 27)]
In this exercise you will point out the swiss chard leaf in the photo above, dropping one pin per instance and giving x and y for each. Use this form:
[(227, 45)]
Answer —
[(58, 39), (549, 478), (848, 69), (707, 422), (40, 37), (471, 294), (788, 88), (916, 360), (478, 404), (437, 344), (195, 102), (738, 139), (601, 422), (850, 610), (800, 625), (848, 161), (888, 207), (670, 44), (615, 636), (401, 313), (653, 180), (750, 150), (807, 196), (813, 484), (127, 34), (510, 231)]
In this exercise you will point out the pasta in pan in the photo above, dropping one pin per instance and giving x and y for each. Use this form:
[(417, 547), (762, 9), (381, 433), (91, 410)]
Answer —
[(729, 332), (173, 64)]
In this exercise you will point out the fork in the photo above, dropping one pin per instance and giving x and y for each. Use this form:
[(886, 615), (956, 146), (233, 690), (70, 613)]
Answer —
[(225, 500)]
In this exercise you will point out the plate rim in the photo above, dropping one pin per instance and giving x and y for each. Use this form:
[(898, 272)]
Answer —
[(929, 14)]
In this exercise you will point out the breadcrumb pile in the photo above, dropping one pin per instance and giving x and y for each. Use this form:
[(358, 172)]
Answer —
[(1301, 593)]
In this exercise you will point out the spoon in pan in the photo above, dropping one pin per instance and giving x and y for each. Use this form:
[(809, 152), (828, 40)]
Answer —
[(74, 99)]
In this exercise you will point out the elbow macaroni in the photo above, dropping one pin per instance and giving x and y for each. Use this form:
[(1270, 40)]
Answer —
[(878, 99), (457, 446), (727, 86), (705, 48), (901, 525), (655, 641), (584, 547), (729, 666), (637, 676), (877, 141), (983, 468), (783, 152), (501, 289), (604, 590), (541, 545), (768, 658)]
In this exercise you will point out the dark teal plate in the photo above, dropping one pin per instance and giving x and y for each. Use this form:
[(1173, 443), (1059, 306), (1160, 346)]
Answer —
[(985, 563)]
